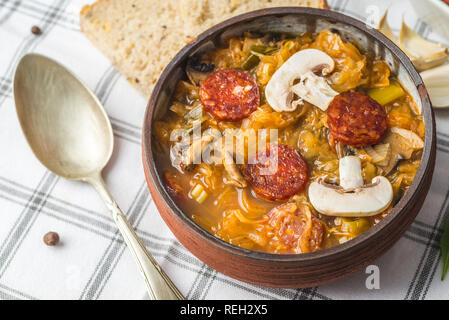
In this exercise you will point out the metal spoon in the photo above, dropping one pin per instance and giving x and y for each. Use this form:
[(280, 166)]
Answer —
[(70, 133)]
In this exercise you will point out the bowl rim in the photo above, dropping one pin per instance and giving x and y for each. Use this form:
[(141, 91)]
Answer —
[(400, 209)]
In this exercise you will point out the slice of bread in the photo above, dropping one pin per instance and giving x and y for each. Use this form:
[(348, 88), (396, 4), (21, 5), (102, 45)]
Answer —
[(140, 37)]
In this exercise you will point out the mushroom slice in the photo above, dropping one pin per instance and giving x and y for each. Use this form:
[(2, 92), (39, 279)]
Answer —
[(314, 90), (351, 198), (365, 201), (403, 143), (234, 178), (196, 148), (380, 153), (437, 83), (198, 71), (303, 66), (413, 141), (225, 153), (184, 155), (350, 173)]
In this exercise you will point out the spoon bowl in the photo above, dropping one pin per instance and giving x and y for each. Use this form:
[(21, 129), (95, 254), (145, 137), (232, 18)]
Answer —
[(64, 123), (70, 133)]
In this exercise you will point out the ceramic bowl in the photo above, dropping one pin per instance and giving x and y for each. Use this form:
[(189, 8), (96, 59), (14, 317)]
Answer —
[(303, 270)]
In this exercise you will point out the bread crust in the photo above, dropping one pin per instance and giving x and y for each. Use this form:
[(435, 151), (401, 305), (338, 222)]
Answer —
[(324, 4), (127, 31)]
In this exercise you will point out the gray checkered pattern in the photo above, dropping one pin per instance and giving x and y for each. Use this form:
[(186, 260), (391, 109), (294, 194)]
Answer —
[(92, 262)]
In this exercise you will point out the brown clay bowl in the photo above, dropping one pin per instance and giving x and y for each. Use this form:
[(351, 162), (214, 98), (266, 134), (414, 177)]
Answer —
[(304, 270)]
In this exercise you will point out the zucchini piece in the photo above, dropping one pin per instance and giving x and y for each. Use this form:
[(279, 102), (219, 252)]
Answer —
[(386, 95)]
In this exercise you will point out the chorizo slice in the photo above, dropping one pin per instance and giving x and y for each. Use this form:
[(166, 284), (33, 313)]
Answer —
[(356, 120), (296, 227), (173, 187), (230, 95), (277, 173)]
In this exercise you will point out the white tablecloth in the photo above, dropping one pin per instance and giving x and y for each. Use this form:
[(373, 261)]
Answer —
[(92, 262)]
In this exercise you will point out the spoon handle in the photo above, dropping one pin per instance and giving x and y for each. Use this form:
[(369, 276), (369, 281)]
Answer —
[(159, 284)]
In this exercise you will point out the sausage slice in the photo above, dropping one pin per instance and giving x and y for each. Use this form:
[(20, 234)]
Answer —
[(356, 120), (287, 172), (296, 227), (230, 95), (173, 187)]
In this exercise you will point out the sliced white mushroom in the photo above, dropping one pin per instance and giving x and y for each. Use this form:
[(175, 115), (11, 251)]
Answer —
[(183, 156), (380, 153), (186, 156), (411, 140), (367, 201), (234, 177), (403, 144), (350, 172), (315, 90), (302, 66), (198, 71), (351, 198)]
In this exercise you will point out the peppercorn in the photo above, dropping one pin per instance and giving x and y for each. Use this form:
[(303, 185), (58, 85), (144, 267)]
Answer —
[(51, 239), (36, 30)]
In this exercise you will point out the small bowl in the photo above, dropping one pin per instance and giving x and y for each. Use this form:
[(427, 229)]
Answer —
[(302, 270)]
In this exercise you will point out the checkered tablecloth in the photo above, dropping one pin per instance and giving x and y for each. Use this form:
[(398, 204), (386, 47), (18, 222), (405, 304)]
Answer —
[(92, 261)]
